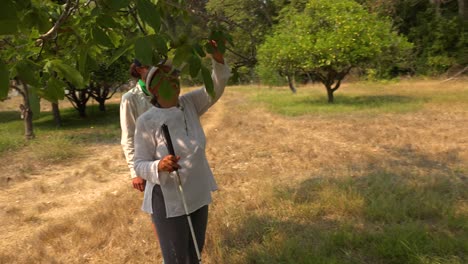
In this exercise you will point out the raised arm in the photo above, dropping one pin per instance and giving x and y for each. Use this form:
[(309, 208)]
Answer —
[(220, 75)]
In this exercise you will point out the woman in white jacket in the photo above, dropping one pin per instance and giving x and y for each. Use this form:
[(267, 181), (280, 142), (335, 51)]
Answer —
[(153, 163)]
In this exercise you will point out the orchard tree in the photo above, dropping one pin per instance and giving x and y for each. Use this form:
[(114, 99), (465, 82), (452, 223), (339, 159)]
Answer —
[(249, 21), (47, 47), (436, 27), (327, 39), (104, 81), (107, 79)]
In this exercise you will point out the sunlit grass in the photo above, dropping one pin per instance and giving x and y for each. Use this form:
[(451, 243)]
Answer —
[(292, 190), (378, 218), (360, 97), (98, 127), (11, 131)]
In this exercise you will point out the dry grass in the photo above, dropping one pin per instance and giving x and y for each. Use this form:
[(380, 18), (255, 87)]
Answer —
[(346, 187)]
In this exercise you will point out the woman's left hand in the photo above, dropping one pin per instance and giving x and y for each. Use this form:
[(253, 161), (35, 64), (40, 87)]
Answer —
[(217, 55)]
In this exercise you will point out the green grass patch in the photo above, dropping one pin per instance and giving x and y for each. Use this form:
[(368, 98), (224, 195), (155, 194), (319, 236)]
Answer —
[(11, 131), (360, 97), (310, 102), (55, 148), (99, 127), (378, 218)]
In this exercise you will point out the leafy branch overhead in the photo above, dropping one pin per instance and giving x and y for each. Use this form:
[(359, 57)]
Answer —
[(66, 40)]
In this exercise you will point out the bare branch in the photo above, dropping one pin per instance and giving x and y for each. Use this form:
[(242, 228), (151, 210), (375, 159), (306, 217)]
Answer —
[(456, 75)]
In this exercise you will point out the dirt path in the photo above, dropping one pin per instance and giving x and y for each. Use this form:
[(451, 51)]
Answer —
[(58, 192), (55, 194)]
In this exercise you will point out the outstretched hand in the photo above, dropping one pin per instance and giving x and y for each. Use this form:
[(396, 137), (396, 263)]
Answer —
[(217, 55)]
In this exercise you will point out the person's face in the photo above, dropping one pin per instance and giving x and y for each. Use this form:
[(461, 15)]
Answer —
[(166, 86)]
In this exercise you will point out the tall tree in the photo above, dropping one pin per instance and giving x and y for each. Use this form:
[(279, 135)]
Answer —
[(436, 27), (51, 46), (327, 39), (248, 21)]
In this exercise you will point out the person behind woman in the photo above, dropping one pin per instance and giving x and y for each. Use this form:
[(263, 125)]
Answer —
[(134, 103), (152, 162)]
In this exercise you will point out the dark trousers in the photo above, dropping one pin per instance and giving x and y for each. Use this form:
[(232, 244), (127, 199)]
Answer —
[(174, 234)]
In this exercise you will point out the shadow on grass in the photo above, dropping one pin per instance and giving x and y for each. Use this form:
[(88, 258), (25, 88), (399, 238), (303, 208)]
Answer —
[(294, 105), (71, 120), (371, 101), (9, 116), (98, 128), (376, 218), (411, 157)]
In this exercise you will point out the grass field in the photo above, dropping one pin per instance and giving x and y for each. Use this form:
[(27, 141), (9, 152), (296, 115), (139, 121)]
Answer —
[(381, 176)]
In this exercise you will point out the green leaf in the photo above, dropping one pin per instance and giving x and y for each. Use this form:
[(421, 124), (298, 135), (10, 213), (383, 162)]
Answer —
[(221, 47), (106, 21), (144, 51), (34, 102), (23, 5), (149, 13), (129, 44), (228, 38), (28, 72), (195, 65), (216, 35), (8, 18), (159, 43), (209, 48), (198, 48), (166, 90), (55, 90), (83, 58), (83, 61), (182, 54), (118, 4), (101, 38), (35, 17), (66, 72), (209, 86)]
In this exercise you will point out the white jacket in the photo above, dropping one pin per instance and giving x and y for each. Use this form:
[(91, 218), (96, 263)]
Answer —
[(189, 143), (133, 104)]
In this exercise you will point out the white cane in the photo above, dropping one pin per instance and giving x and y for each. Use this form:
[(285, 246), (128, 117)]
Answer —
[(170, 148)]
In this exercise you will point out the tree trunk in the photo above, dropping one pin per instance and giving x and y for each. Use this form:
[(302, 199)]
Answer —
[(81, 110), (436, 3), (463, 10), (27, 114), (330, 95), (102, 105), (56, 113), (309, 78), (291, 83)]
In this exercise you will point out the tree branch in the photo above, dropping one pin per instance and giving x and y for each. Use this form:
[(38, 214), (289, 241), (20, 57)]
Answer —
[(137, 21), (16, 88), (215, 17), (70, 6), (456, 75)]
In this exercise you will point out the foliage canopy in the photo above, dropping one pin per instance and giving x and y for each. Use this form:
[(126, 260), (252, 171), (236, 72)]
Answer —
[(327, 39)]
